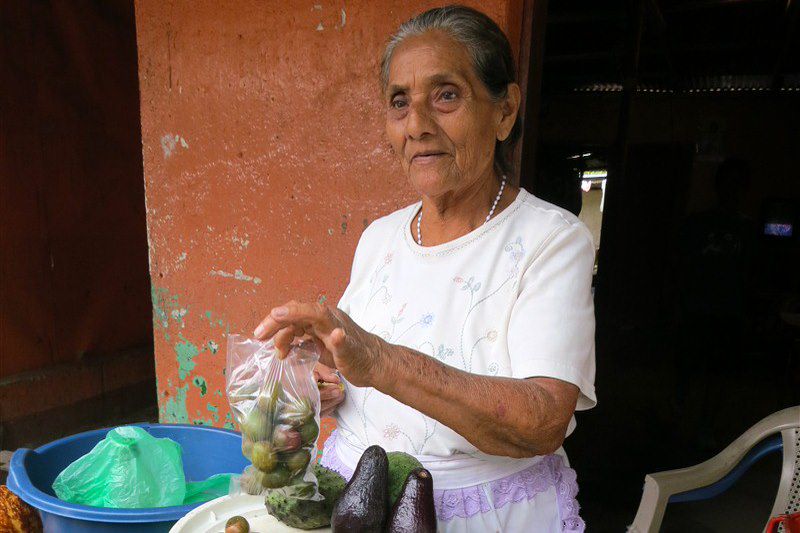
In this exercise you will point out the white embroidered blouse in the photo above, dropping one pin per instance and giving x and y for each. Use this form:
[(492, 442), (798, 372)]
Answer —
[(511, 298)]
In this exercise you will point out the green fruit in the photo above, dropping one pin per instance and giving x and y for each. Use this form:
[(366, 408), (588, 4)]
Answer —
[(297, 412), (303, 513), (268, 399), (256, 426), (285, 439), (251, 481), (263, 457), (237, 524), (297, 461), (309, 432), (330, 483), (279, 477), (247, 447), (400, 466)]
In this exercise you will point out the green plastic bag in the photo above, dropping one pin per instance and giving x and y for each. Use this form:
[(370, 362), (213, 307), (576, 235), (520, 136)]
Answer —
[(131, 469)]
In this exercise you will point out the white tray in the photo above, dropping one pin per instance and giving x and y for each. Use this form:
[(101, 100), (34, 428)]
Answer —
[(211, 517)]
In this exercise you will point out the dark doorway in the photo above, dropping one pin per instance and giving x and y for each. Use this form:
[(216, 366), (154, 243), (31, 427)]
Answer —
[(696, 284), (76, 329)]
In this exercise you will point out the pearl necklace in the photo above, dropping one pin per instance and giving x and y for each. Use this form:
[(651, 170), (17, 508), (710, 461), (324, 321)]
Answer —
[(491, 212)]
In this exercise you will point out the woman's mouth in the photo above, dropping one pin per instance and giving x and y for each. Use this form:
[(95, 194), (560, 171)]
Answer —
[(427, 158)]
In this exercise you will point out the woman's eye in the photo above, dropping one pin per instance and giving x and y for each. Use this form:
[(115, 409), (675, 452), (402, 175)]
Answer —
[(398, 103), (448, 96)]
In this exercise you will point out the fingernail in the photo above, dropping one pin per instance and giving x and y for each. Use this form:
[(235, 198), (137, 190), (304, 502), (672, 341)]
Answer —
[(259, 331), (280, 312)]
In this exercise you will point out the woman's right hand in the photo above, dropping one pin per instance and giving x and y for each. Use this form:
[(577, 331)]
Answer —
[(331, 389)]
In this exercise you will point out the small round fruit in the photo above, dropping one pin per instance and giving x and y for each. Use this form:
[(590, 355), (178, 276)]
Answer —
[(297, 412), (256, 426), (268, 399), (252, 481), (309, 432), (285, 439), (237, 524), (263, 457), (279, 477), (247, 447), (297, 461)]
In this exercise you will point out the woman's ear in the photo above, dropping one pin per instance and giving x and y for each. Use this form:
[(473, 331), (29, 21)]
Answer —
[(509, 107)]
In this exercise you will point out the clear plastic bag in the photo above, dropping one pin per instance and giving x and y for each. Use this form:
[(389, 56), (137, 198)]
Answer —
[(276, 404), (131, 469)]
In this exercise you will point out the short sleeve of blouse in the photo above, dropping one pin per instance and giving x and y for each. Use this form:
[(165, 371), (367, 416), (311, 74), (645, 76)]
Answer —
[(551, 328)]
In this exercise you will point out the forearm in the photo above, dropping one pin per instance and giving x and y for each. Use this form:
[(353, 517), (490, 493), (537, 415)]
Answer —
[(500, 416)]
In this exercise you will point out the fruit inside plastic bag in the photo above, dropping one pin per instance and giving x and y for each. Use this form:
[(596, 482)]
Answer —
[(131, 469), (276, 404)]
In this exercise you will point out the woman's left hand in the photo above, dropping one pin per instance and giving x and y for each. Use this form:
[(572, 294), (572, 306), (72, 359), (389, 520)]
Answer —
[(344, 345)]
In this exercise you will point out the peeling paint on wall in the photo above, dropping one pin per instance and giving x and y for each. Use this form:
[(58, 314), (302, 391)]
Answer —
[(185, 352), (178, 314), (229, 422), (175, 407), (166, 306), (170, 142), (200, 421), (157, 297), (237, 274), (243, 242), (200, 383)]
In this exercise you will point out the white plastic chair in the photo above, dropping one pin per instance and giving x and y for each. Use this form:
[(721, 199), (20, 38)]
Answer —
[(714, 476)]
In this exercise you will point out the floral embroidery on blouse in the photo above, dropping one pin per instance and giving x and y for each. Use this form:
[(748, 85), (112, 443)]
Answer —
[(516, 251), (475, 293), (391, 432)]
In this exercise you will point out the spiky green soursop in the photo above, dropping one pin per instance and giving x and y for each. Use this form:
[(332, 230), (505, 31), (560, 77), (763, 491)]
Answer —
[(308, 514), (400, 466)]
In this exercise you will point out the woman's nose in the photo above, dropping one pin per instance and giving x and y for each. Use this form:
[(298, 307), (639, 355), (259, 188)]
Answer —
[(419, 121)]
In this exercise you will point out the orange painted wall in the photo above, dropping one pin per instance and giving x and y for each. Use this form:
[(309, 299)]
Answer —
[(264, 160)]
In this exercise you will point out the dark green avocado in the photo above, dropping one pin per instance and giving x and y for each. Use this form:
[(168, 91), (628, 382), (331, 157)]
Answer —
[(414, 511), (363, 504)]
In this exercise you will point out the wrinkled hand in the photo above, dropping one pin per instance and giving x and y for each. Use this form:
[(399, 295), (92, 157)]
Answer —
[(355, 353), (331, 391)]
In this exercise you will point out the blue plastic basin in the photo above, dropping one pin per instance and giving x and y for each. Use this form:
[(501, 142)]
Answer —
[(206, 451)]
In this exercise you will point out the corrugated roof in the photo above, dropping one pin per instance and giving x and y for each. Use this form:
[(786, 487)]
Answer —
[(705, 84)]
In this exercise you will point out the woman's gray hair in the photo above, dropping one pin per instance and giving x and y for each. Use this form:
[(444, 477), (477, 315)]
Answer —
[(487, 47)]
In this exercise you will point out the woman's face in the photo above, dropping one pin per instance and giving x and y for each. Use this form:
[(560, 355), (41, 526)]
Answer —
[(440, 118)]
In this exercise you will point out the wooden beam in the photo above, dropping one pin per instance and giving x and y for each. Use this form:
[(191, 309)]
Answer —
[(597, 16), (661, 28), (629, 83), (788, 34), (514, 24), (672, 7), (531, 66), (616, 185)]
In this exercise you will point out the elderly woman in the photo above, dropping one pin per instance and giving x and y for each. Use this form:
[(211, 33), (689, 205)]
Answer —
[(466, 334)]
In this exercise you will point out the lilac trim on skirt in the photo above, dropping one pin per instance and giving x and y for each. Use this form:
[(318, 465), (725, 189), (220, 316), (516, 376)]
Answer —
[(523, 485)]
